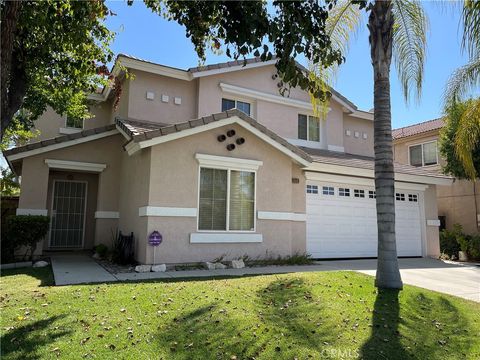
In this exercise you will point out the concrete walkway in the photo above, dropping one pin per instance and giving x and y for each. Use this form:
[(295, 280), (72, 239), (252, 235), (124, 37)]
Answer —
[(78, 269), (454, 279)]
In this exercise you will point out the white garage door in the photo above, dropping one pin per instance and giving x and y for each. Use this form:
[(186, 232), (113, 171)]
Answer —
[(342, 221)]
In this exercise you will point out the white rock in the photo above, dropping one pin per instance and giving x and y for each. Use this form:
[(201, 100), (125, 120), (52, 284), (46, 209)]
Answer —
[(40, 264), (220, 266), (96, 256), (238, 264), (143, 268), (209, 265), (159, 268)]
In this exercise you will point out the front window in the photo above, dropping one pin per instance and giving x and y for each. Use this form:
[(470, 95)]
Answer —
[(424, 154), (74, 123), (227, 200), (228, 104), (308, 128)]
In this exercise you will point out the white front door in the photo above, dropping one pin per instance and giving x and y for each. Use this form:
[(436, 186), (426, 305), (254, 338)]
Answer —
[(342, 221), (67, 224)]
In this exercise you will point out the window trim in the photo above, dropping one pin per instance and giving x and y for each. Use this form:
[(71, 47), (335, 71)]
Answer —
[(423, 159), (236, 100), (308, 129), (228, 164)]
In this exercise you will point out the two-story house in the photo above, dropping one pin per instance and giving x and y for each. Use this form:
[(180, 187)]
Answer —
[(218, 162), (458, 203)]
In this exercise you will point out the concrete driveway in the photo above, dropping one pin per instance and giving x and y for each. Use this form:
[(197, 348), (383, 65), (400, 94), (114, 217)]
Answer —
[(454, 279)]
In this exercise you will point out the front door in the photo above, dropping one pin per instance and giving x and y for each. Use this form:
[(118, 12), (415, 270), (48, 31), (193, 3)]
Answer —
[(69, 203)]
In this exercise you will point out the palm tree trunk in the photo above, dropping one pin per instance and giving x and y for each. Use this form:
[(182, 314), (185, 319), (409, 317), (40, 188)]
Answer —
[(380, 24)]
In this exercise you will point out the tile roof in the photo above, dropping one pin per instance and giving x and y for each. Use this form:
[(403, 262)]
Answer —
[(364, 162), (136, 130), (417, 128), (58, 139)]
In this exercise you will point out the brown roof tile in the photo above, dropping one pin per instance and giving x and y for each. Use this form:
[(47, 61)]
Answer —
[(417, 128)]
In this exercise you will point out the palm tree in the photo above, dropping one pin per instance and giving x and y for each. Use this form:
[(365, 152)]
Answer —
[(397, 29), (461, 83)]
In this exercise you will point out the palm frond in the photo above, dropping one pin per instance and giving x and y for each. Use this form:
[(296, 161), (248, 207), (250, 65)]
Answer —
[(468, 136), (463, 81), (409, 45), (471, 27), (343, 22)]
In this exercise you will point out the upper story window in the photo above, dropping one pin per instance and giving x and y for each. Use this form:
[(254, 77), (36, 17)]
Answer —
[(227, 200), (423, 154), (308, 127), (228, 104), (74, 123)]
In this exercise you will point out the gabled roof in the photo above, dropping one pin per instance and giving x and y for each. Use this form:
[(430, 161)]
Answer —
[(139, 134), (416, 129)]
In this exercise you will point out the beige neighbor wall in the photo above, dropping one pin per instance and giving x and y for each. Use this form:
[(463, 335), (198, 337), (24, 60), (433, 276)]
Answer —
[(431, 213), (35, 179), (133, 194), (174, 183), (156, 110), (358, 145)]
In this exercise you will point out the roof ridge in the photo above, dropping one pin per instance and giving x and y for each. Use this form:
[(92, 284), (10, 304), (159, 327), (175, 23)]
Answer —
[(420, 123)]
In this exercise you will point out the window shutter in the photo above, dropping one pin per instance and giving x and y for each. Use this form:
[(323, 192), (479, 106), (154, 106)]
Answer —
[(213, 199), (242, 198)]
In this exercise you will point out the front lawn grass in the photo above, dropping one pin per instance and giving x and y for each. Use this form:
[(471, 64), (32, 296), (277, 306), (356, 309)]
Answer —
[(324, 315)]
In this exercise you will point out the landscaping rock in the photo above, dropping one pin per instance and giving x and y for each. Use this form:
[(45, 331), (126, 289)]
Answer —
[(209, 265), (96, 256), (40, 264), (238, 264), (220, 266), (159, 268), (143, 268)]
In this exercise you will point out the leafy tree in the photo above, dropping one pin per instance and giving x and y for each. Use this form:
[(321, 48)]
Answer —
[(460, 85), (52, 53), (456, 113), (9, 183)]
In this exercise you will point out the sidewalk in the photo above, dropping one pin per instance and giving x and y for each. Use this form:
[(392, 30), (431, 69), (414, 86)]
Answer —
[(78, 269)]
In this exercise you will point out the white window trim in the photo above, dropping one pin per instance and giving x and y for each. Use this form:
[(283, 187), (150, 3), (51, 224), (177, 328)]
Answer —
[(68, 131), (107, 215), (423, 160), (75, 165), (228, 164), (167, 211), (236, 100), (310, 142), (21, 211), (279, 215), (307, 143), (226, 238)]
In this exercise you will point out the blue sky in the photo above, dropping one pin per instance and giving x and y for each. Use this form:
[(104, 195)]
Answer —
[(149, 36)]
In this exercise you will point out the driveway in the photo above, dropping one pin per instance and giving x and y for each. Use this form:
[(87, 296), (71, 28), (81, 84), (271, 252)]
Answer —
[(454, 279)]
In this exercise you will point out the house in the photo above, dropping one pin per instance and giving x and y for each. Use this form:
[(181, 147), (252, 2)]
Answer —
[(458, 203), (218, 162)]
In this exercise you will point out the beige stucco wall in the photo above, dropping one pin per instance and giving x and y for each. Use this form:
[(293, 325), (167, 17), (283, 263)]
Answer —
[(155, 110), (401, 147), (431, 213), (35, 180), (174, 183), (354, 145)]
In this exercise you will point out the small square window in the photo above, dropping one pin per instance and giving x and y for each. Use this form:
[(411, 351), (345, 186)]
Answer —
[(343, 192), (372, 194), (74, 123), (400, 196), (328, 190), (413, 197), (312, 189), (359, 193)]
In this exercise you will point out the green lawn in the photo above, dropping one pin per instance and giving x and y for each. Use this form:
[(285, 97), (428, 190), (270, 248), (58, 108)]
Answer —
[(337, 315)]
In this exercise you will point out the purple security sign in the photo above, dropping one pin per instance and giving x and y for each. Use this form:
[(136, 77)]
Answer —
[(155, 238)]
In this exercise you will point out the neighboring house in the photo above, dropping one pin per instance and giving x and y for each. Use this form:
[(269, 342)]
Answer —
[(254, 173), (458, 203)]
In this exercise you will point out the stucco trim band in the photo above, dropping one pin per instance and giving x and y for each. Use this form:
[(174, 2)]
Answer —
[(43, 212), (433, 222), (209, 238), (278, 215), (167, 211), (107, 215), (228, 162), (75, 165)]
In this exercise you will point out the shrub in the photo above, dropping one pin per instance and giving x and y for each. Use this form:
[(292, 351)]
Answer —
[(448, 240), (101, 250), (25, 230), (270, 259), (474, 247)]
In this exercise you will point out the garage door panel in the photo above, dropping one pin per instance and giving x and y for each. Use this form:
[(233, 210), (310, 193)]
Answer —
[(346, 226)]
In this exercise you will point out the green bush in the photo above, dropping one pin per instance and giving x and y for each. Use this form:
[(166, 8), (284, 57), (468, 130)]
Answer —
[(474, 247), (101, 250), (448, 240), (25, 230)]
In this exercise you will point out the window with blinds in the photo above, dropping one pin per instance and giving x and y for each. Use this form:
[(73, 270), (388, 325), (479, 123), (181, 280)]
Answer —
[(215, 206), (308, 128)]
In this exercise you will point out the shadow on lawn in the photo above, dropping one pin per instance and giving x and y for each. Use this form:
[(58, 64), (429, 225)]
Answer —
[(429, 328), (24, 341), (45, 275)]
